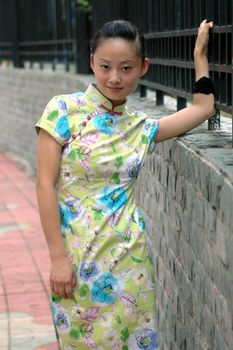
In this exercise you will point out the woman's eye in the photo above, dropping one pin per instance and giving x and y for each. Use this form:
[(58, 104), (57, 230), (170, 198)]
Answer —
[(126, 68), (104, 66)]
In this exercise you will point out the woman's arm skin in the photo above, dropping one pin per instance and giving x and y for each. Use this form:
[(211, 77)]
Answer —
[(62, 276), (203, 105)]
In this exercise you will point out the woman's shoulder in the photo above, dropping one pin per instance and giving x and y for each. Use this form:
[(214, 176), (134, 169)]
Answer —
[(69, 103)]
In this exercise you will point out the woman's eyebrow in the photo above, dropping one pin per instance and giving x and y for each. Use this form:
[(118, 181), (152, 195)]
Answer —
[(122, 62)]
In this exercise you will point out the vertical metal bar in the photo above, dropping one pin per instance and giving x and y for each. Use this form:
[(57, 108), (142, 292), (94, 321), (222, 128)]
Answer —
[(143, 91), (159, 98), (54, 28), (181, 103), (15, 34), (232, 70)]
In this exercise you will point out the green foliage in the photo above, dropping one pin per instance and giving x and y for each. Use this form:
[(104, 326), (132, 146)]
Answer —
[(84, 5)]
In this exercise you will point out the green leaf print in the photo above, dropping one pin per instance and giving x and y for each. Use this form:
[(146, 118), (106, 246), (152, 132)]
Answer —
[(137, 260), (53, 115), (144, 139), (74, 333), (56, 298), (98, 214), (124, 333), (113, 251), (118, 161), (72, 129), (83, 290), (113, 147), (125, 347), (115, 178), (75, 267), (83, 333), (75, 153), (118, 319)]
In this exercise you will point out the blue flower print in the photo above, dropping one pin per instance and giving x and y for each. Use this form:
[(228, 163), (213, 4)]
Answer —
[(112, 199), (62, 320), (62, 127), (105, 123), (65, 216), (88, 270), (134, 168), (104, 289), (151, 136), (73, 204), (62, 105), (144, 338), (78, 94), (138, 218)]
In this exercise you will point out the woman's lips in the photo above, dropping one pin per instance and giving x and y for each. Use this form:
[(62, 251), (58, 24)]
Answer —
[(114, 89)]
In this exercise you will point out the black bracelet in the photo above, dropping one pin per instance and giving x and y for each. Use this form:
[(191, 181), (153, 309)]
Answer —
[(204, 86)]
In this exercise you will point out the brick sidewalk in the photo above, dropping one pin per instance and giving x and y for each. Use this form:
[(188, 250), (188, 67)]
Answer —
[(25, 318)]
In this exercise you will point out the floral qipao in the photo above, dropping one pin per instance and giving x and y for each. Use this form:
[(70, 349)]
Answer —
[(103, 150)]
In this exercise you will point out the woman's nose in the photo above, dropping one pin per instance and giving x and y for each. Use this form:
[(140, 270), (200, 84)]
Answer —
[(115, 77)]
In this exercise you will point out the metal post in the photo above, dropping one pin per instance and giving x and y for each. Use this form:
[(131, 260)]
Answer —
[(15, 35), (54, 21), (181, 103), (159, 98), (232, 72), (143, 91)]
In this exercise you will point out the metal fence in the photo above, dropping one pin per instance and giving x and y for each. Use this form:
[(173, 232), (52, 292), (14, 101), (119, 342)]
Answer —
[(170, 33), (170, 29), (38, 31), (56, 31)]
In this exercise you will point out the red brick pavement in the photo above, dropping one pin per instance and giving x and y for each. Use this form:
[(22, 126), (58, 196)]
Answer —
[(25, 317)]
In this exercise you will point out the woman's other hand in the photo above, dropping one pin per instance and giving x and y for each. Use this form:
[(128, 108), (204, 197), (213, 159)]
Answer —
[(203, 37), (62, 277)]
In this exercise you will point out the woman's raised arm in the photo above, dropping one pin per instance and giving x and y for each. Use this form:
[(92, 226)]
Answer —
[(203, 104)]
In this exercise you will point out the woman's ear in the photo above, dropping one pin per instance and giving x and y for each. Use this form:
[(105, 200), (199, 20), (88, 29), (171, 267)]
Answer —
[(91, 61), (145, 66)]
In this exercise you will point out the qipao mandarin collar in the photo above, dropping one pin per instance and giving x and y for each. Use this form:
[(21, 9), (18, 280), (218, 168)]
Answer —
[(102, 102)]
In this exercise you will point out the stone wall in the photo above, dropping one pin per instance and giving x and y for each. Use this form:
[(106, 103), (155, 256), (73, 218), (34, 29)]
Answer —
[(186, 193), (23, 97), (187, 204)]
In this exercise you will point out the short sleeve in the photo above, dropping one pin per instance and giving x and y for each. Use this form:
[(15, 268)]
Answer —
[(152, 128), (55, 120)]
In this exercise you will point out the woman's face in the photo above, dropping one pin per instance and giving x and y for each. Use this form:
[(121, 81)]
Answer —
[(117, 68)]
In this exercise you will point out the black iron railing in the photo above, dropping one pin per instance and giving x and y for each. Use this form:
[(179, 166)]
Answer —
[(54, 51), (61, 33), (170, 32)]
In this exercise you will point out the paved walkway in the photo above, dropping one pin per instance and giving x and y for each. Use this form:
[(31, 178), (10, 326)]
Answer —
[(25, 318)]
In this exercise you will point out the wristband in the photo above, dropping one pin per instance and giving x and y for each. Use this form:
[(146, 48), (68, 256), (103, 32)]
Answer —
[(204, 86)]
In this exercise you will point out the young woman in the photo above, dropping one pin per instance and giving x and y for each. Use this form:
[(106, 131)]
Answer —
[(90, 151)]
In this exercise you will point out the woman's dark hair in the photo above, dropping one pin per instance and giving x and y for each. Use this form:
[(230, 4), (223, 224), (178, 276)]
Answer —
[(119, 29)]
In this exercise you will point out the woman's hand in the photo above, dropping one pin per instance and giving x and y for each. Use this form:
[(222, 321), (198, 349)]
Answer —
[(62, 277), (203, 38)]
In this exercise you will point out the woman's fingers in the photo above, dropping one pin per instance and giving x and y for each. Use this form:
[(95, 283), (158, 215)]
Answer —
[(65, 290)]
